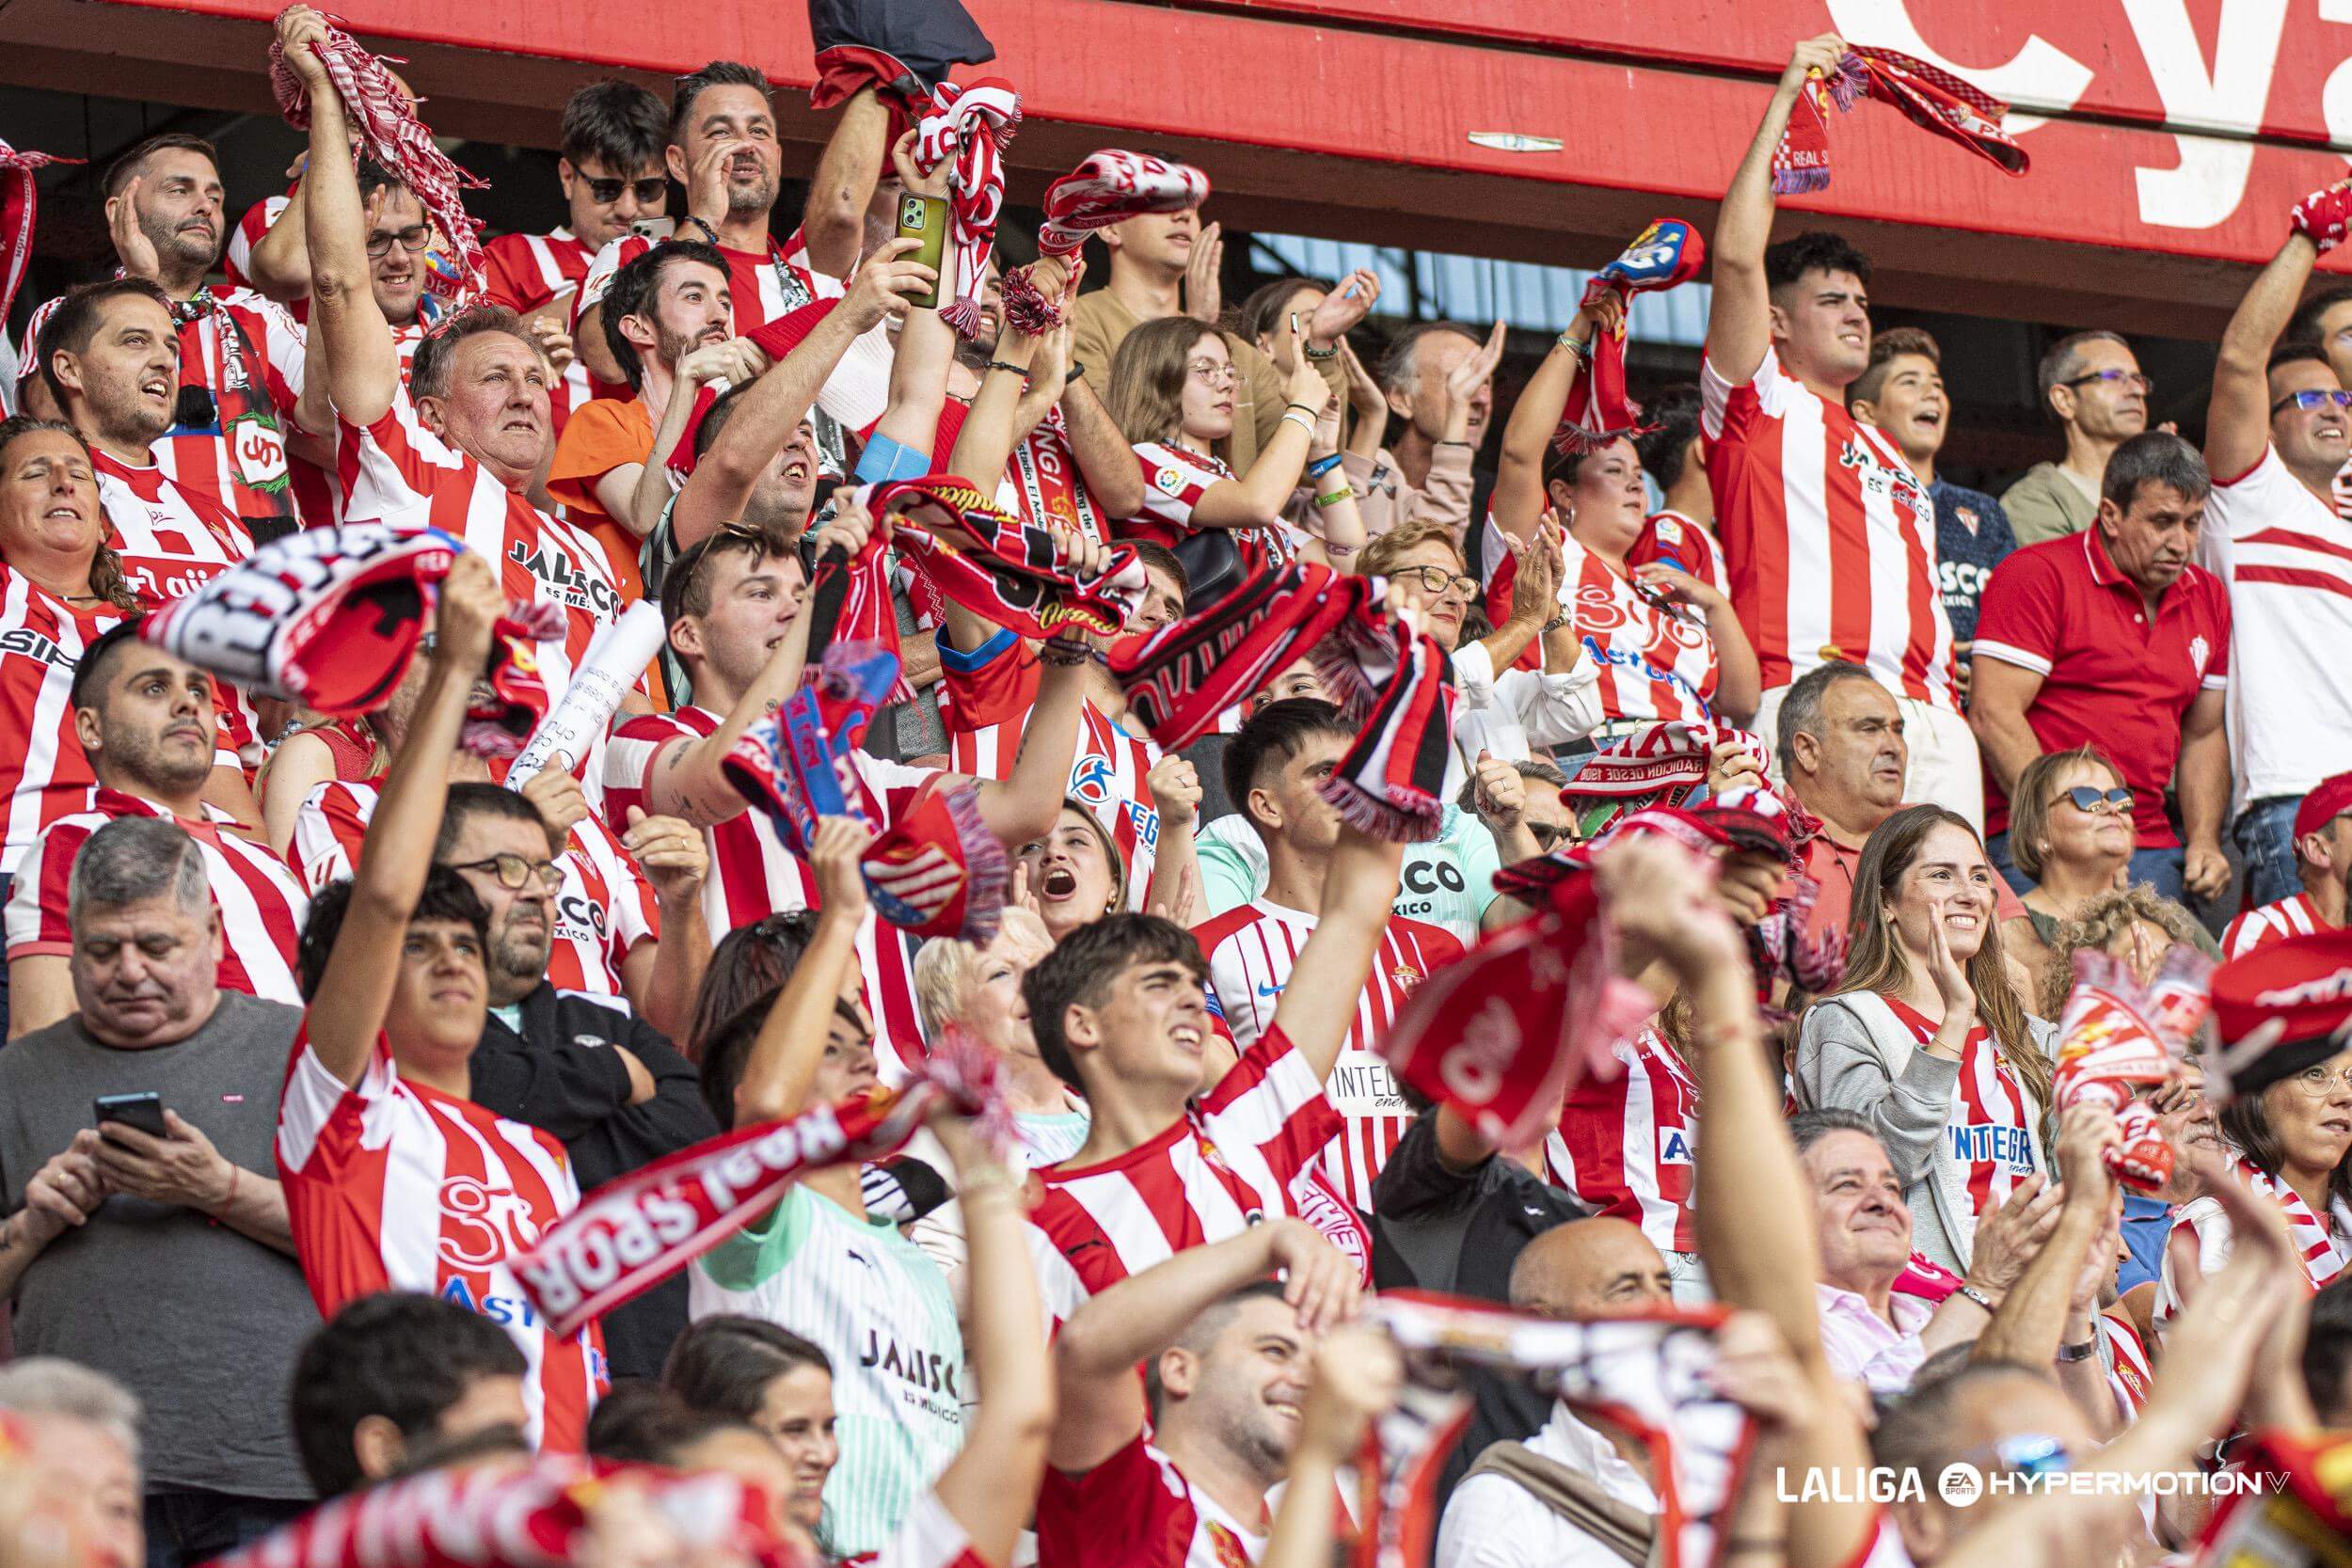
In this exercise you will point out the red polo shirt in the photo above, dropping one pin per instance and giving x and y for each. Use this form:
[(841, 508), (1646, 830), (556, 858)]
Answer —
[(2112, 675)]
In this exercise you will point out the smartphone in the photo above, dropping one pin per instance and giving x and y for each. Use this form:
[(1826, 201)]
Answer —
[(923, 219), (656, 229), (143, 1111)]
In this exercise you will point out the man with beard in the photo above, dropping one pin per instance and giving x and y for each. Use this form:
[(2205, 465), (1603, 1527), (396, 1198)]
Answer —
[(146, 721), (666, 321), (1173, 1466), (240, 361), (583, 1067)]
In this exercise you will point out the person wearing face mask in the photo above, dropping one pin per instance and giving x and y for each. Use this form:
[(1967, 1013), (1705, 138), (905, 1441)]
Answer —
[(1925, 1035), (2113, 637), (1902, 393)]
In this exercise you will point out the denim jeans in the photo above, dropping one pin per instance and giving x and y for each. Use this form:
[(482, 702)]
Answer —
[(2266, 837), (2161, 869), (185, 1527)]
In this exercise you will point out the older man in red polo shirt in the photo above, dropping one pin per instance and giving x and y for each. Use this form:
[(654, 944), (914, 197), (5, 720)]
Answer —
[(2111, 637)]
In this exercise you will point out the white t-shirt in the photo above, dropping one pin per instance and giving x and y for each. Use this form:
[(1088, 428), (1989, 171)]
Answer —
[(1493, 1522)]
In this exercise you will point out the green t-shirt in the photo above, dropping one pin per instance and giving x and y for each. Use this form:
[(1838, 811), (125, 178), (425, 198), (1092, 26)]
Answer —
[(1448, 881)]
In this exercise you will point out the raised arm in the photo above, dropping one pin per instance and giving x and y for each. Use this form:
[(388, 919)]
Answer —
[(991, 1484), (1518, 501), (2031, 1323), (1257, 497), (1739, 323), (1105, 461), (362, 364), (2237, 420), (832, 225), (1318, 1003), (1100, 1397), (347, 1009), (792, 1045), (1024, 804), (280, 263)]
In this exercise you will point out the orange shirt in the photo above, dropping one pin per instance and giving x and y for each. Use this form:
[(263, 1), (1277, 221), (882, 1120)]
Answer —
[(599, 437)]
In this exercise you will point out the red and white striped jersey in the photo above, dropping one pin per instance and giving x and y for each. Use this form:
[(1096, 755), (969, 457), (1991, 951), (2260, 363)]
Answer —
[(1250, 949), (237, 261), (392, 1185), (2268, 923), (1656, 659), (752, 875), (1676, 535), (990, 693), (1624, 1147), (42, 766), (172, 539), (2133, 1373), (319, 491), (1990, 1134), (1136, 1510), (1830, 537), (262, 903), (1175, 480), (395, 472), (523, 272), (1241, 1153), (603, 908)]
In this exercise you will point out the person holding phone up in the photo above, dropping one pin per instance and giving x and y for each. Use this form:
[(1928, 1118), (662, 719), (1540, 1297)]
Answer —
[(146, 1233)]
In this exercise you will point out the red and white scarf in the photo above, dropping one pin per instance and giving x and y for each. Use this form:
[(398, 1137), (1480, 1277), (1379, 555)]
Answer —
[(1599, 409), (388, 130), (1015, 574), (19, 203), (1182, 678), (1649, 1375), (795, 765), (2323, 1248), (1395, 687), (540, 1514), (972, 125), (937, 870), (1929, 95), (1111, 187), (2116, 1035), (635, 1232)]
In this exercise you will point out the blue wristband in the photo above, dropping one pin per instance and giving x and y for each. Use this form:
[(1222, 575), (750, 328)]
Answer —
[(1322, 466)]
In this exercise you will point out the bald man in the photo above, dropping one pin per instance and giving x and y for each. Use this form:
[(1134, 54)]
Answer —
[(1586, 1269), (1983, 1409)]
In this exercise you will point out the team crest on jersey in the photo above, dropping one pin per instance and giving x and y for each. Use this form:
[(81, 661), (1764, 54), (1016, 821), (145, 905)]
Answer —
[(1405, 976), (1967, 518), (1091, 779), (2198, 649), (1226, 1545)]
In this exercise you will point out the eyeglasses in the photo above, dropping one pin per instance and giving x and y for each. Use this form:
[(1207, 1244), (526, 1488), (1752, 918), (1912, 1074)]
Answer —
[(2028, 1453), (415, 237), (2128, 381), (1214, 371), (650, 192), (1436, 579), (2315, 397), (513, 872), (2087, 799), (2316, 1082)]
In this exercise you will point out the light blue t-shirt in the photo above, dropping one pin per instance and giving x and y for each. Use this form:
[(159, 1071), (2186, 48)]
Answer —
[(1448, 881)]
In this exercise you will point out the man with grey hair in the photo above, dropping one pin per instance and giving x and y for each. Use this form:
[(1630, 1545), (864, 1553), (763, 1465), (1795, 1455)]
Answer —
[(84, 1452), (2116, 639), (1439, 380), (2092, 385), (147, 722), (146, 1235)]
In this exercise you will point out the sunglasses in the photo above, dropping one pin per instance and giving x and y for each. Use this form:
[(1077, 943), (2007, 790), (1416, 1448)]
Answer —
[(2316, 397), (650, 192), (2130, 381), (415, 237), (514, 872), (1548, 834), (2026, 1454), (2087, 799)]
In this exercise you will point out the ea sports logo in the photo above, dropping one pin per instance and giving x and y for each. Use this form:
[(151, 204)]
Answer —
[(1960, 1484)]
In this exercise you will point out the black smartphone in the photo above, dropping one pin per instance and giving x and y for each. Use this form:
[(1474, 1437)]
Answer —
[(923, 219), (144, 1111)]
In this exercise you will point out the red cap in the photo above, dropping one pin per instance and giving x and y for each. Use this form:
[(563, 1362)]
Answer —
[(2305, 983), (2329, 799)]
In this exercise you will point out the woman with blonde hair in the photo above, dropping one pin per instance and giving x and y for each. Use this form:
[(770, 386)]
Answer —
[(1925, 1035), (2069, 831)]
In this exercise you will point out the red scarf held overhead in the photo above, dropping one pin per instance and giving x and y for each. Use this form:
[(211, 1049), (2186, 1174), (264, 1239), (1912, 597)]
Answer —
[(937, 870), (2118, 1035), (1599, 409), (1111, 187), (1015, 574), (1394, 686), (972, 126), (19, 203), (386, 128), (1183, 676), (1928, 96)]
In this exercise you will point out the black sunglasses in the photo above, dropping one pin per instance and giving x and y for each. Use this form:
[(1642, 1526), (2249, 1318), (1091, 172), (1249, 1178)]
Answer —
[(651, 191)]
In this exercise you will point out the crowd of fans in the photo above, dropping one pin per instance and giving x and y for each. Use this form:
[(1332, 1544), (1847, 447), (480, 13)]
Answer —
[(318, 1024)]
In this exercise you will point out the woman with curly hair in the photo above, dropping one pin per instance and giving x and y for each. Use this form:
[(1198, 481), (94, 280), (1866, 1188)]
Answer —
[(2135, 924)]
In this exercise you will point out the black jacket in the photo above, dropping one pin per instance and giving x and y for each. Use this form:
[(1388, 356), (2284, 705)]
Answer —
[(559, 1073)]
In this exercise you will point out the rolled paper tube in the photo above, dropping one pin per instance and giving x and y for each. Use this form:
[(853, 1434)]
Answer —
[(613, 663)]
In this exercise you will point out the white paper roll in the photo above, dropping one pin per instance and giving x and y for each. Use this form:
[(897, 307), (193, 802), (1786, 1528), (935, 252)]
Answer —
[(615, 659)]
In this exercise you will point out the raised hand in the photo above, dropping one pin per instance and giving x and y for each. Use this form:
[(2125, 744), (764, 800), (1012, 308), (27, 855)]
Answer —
[(1345, 306), (300, 29), (1815, 55), (1174, 786), (470, 605), (672, 853), (885, 283), (1203, 300), (834, 858), (910, 169), (132, 248), (1305, 385)]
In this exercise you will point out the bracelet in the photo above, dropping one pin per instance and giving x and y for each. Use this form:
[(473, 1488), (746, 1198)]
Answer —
[(1303, 420), (2083, 1352), (1306, 408), (1309, 350), (1581, 349), (1063, 653), (1016, 370), (1075, 372), (1344, 493), (703, 224), (1557, 622), (1322, 466), (1979, 1298)]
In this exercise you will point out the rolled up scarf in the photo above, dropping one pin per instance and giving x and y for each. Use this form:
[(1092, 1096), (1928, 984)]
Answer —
[(1929, 95), (1650, 1376), (1780, 946), (539, 1513), (513, 702), (1394, 686), (1179, 679), (901, 49), (1015, 574), (1111, 187), (972, 125), (2118, 1035), (386, 128), (1661, 765), (1599, 409), (795, 766), (634, 1232), (20, 205), (2321, 217), (937, 870)]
